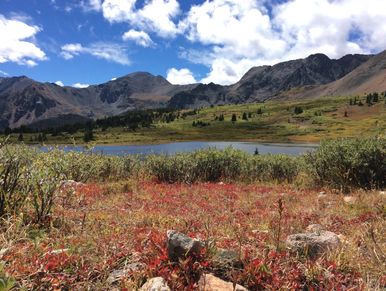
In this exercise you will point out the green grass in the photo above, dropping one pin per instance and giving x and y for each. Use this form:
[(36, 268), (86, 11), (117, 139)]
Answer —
[(321, 119)]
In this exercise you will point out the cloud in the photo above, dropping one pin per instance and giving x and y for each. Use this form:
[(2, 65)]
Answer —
[(180, 77), (155, 15), (59, 83), (240, 34), (17, 42), (108, 51), (80, 85), (91, 5), (139, 37), (4, 73)]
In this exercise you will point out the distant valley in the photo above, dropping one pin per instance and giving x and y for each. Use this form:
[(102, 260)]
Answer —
[(24, 101)]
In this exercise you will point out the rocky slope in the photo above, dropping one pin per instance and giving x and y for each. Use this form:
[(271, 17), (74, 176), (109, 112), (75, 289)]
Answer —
[(25, 101), (367, 78), (267, 82)]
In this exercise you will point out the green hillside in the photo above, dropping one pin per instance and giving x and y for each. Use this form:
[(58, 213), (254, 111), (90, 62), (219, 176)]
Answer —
[(273, 121)]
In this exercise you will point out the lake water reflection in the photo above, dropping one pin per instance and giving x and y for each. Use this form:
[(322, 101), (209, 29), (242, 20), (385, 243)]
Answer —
[(176, 147)]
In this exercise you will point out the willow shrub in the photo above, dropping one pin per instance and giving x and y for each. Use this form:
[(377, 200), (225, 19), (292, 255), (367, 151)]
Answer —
[(87, 166), (212, 165), (15, 174), (349, 163)]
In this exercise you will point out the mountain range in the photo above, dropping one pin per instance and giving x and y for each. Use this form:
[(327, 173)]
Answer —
[(24, 101)]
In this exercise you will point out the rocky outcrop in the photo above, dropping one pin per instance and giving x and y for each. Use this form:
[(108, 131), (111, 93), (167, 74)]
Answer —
[(209, 282), (180, 245), (267, 82), (313, 243)]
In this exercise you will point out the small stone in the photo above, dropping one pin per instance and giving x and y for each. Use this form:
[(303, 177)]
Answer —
[(70, 184), (314, 228), (383, 193), (209, 282), (349, 199), (155, 284), (117, 275), (180, 245), (313, 244), (57, 252), (225, 259)]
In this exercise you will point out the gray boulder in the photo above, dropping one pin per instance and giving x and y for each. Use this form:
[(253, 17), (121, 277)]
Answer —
[(180, 245), (226, 259), (313, 244), (155, 284)]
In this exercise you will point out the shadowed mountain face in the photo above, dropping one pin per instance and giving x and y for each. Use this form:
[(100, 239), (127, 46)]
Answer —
[(267, 82), (25, 101), (368, 77)]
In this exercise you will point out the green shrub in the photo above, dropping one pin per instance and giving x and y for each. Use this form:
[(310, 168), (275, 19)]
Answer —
[(349, 163), (15, 166), (213, 165), (279, 168), (46, 177)]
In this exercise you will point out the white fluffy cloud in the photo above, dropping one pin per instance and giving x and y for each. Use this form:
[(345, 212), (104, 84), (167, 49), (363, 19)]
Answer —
[(242, 34), (108, 51), (59, 83), (80, 85), (155, 16), (139, 37), (180, 77), (17, 42)]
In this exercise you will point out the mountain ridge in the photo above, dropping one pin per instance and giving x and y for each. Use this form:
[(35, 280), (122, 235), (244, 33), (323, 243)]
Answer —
[(24, 101)]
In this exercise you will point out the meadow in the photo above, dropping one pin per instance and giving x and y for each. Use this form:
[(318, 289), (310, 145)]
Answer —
[(272, 121), (73, 221)]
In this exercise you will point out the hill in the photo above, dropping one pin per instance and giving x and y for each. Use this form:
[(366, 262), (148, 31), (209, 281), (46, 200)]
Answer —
[(24, 101)]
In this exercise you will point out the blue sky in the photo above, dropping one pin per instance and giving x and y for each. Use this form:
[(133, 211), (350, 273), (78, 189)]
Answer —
[(92, 41)]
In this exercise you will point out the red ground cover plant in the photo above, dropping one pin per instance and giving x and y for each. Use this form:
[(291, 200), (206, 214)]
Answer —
[(100, 231)]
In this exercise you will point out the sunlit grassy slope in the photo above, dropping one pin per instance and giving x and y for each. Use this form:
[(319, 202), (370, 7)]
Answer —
[(323, 118)]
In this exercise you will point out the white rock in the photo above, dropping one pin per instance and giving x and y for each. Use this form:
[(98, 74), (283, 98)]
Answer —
[(349, 199), (155, 284), (209, 282)]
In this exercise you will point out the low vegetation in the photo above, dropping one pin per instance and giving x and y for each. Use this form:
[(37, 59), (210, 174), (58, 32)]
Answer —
[(71, 220), (285, 121)]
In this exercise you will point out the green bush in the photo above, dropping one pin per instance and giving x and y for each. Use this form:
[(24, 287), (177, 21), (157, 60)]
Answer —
[(213, 165), (46, 177), (278, 167), (15, 166), (349, 163)]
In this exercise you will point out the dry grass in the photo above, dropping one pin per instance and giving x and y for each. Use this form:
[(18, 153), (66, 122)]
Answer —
[(102, 228)]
